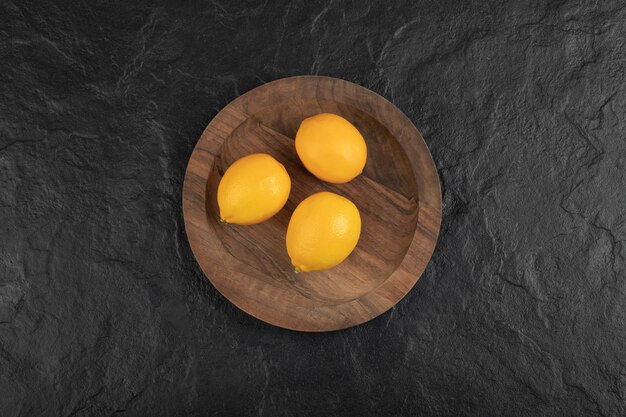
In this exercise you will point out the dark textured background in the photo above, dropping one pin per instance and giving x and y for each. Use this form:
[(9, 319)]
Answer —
[(521, 312)]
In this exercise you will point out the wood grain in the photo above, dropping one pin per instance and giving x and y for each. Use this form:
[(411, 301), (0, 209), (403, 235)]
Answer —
[(398, 196)]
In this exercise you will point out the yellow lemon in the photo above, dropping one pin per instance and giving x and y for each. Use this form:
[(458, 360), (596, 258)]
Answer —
[(331, 148), (253, 189), (323, 230)]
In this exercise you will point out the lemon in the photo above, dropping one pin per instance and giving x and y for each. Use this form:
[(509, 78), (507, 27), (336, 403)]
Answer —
[(331, 148), (323, 230), (253, 189)]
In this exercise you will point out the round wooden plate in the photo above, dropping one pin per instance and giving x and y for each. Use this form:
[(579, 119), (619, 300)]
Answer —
[(398, 196)]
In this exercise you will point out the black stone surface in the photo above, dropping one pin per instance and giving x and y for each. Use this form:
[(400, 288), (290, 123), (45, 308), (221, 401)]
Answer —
[(104, 311)]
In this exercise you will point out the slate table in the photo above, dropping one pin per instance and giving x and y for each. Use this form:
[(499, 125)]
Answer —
[(104, 311)]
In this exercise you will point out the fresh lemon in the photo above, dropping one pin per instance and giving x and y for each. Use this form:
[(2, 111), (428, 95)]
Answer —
[(331, 148), (324, 229), (253, 189)]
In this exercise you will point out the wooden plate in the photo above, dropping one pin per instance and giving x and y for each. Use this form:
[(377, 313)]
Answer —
[(398, 196)]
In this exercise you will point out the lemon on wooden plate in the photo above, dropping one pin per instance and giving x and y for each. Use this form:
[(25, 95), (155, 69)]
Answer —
[(323, 230), (253, 189), (331, 148)]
